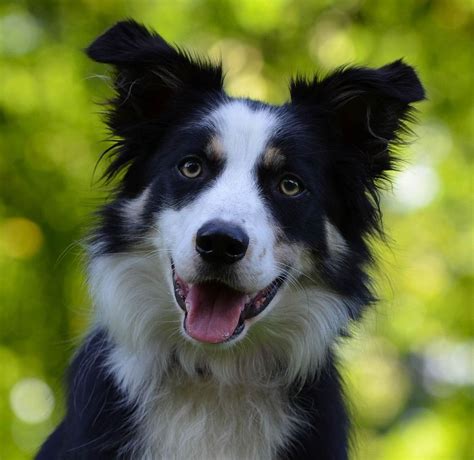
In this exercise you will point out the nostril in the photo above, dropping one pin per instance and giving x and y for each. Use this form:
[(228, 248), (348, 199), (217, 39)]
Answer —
[(235, 248), (204, 243)]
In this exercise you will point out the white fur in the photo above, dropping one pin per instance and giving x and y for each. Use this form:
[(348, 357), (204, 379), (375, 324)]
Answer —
[(190, 417), (337, 245), (134, 208), (226, 401)]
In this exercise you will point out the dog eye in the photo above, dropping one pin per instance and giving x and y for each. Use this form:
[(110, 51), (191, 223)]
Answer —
[(190, 168), (291, 186)]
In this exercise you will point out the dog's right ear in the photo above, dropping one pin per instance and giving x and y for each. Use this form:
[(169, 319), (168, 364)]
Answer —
[(151, 76)]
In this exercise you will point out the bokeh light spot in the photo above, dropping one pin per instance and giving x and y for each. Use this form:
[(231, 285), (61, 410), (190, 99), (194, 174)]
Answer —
[(20, 238), (338, 48), (416, 187), (32, 400), (20, 33), (248, 85), (330, 42), (236, 57)]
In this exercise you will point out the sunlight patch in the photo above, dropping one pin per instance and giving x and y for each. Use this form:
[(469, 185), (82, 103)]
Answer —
[(32, 400)]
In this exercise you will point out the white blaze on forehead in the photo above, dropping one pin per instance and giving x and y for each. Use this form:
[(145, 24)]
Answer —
[(243, 131)]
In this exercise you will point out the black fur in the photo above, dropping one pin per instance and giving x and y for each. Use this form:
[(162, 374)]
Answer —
[(337, 134), (157, 87), (97, 422)]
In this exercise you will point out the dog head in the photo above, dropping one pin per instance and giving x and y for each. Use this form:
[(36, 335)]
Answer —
[(235, 220)]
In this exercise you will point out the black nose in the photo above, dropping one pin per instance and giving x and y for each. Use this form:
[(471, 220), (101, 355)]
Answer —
[(221, 242)]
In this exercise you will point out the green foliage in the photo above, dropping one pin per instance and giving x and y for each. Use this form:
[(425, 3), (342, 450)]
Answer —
[(409, 366)]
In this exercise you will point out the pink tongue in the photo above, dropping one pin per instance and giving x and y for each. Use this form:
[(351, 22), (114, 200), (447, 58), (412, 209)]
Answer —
[(213, 312)]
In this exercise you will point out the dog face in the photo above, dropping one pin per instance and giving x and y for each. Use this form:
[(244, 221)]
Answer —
[(235, 218), (239, 236)]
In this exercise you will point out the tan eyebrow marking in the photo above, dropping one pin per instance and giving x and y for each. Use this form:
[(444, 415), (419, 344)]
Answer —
[(215, 149), (273, 158)]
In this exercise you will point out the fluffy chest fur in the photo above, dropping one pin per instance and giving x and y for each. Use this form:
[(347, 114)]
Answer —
[(117, 411), (209, 421)]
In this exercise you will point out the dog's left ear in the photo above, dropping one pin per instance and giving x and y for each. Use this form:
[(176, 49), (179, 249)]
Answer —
[(363, 112), (367, 108)]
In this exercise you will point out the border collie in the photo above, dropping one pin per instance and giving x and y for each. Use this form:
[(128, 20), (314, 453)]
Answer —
[(233, 254)]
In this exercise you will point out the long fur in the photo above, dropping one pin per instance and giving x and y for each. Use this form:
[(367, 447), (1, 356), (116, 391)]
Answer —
[(142, 385)]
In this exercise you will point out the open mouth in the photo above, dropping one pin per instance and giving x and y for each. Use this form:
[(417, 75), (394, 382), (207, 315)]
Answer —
[(215, 312)]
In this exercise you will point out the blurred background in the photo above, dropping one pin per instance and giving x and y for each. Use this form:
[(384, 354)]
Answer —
[(409, 367)]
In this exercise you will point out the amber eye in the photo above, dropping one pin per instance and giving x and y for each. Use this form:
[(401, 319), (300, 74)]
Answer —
[(190, 168), (290, 186)]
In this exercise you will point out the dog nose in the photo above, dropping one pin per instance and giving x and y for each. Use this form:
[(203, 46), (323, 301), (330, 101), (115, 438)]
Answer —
[(221, 242)]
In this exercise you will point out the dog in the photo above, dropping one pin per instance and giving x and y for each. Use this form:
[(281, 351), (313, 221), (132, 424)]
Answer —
[(232, 256)]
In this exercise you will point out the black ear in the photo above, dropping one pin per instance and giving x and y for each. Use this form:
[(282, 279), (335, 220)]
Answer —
[(131, 47), (369, 107), (365, 112), (154, 83), (150, 72)]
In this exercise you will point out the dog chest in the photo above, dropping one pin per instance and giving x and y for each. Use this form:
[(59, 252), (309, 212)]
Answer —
[(201, 420)]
